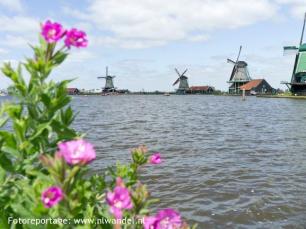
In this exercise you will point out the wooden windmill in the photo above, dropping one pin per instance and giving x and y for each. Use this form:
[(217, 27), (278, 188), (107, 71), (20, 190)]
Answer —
[(298, 78), (183, 80), (109, 84), (239, 76)]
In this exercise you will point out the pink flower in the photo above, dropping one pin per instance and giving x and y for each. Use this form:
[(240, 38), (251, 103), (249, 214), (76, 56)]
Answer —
[(149, 222), (52, 32), (77, 152), (76, 38), (155, 159), (52, 196), (164, 219), (119, 200)]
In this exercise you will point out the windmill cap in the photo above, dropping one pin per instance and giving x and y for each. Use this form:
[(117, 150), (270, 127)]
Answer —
[(302, 48), (242, 64)]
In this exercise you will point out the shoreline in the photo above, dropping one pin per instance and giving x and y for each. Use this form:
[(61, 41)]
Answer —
[(282, 96)]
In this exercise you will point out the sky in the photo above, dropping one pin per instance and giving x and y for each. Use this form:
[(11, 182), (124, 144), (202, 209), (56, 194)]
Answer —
[(142, 41)]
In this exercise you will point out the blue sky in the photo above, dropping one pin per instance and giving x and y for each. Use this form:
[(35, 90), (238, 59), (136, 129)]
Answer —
[(142, 41)]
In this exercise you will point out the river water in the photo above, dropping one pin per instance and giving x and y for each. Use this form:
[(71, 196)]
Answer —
[(227, 163)]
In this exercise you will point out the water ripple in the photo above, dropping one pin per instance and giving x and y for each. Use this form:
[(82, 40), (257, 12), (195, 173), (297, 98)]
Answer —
[(227, 163)]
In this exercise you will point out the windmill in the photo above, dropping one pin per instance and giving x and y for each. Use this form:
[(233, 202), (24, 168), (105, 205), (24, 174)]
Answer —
[(240, 74), (298, 79), (183, 86), (109, 84)]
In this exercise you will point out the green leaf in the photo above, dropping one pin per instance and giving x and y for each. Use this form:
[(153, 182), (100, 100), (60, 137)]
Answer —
[(2, 175), (11, 151), (20, 128), (13, 110), (3, 121), (46, 99), (40, 129), (43, 43), (60, 103), (8, 138), (67, 116), (5, 162), (9, 72), (3, 220), (59, 57), (33, 111), (21, 210)]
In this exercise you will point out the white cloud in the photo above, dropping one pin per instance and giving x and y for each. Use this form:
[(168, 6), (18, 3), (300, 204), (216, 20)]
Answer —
[(297, 7), (124, 43), (151, 23), (18, 31), (79, 55), (199, 37), (12, 5), (3, 51), (18, 24), (16, 41)]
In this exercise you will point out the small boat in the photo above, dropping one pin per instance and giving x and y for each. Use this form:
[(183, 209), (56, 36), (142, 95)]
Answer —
[(167, 94)]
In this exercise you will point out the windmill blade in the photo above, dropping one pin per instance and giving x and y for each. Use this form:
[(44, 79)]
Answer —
[(231, 61), (236, 63), (113, 77), (239, 54), (185, 72), (178, 79), (301, 42), (233, 72), (290, 50), (101, 77), (177, 72)]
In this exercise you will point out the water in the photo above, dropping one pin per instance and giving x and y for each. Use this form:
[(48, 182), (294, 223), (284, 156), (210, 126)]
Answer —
[(227, 163)]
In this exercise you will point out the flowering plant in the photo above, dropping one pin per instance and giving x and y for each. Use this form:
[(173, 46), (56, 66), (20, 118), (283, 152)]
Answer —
[(44, 162)]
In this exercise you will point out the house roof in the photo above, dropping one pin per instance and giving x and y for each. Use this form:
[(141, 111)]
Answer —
[(252, 84), (199, 88), (72, 89)]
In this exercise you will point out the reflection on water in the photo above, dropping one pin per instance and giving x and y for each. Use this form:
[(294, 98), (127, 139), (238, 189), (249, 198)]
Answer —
[(227, 163)]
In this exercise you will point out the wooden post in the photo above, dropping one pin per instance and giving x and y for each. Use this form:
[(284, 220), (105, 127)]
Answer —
[(243, 94)]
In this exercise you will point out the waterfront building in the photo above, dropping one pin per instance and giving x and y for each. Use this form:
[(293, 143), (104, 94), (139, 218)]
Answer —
[(239, 76), (183, 82), (257, 86), (201, 90), (109, 83), (73, 91)]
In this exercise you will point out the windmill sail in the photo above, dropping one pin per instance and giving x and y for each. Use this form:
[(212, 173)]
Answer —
[(178, 79), (302, 36), (230, 61), (290, 50)]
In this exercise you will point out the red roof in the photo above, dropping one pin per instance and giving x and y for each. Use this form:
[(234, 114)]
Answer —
[(250, 85), (199, 88)]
